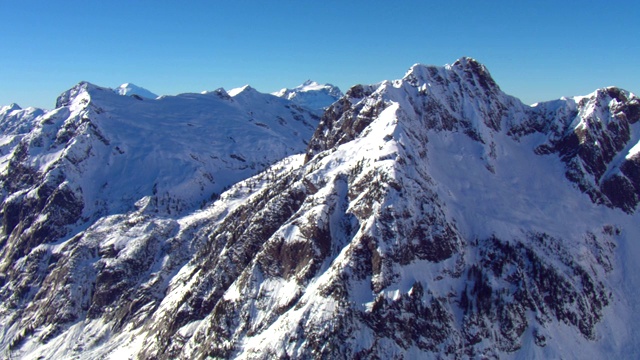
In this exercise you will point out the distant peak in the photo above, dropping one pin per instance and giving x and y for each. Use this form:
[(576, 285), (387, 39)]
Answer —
[(311, 94), (11, 107), (311, 85), (85, 85), (309, 82), (247, 89), (129, 89), (308, 85), (242, 89)]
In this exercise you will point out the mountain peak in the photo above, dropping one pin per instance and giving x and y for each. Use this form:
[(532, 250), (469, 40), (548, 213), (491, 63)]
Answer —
[(466, 68), (15, 120), (239, 90), (477, 71), (10, 107), (83, 87), (129, 89), (309, 82), (466, 61), (311, 94)]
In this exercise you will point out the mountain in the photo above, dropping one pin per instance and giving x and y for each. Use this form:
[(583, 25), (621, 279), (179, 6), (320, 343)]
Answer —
[(99, 156), (15, 121), (430, 216), (128, 89), (311, 94)]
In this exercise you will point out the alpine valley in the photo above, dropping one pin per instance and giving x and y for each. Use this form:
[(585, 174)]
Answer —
[(432, 216)]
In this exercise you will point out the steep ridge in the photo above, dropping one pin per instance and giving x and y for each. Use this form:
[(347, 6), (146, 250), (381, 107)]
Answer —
[(430, 216)]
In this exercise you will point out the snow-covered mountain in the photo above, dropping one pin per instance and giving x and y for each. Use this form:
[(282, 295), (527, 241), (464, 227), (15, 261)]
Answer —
[(431, 216), (99, 155), (15, 120), (311, 94), (128, 89)]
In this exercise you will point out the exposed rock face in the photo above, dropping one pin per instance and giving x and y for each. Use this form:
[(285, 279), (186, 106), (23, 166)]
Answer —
[(430, 216), (594, 137)]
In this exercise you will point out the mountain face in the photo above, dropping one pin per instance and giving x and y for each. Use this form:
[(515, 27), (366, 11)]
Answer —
[(311, 94), (430, 216)]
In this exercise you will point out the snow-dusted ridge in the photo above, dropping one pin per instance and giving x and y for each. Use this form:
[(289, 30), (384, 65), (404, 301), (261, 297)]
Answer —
[(431, 216)]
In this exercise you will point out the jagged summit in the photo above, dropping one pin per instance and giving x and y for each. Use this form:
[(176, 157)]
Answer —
[(470, 71), (467, 62), (460, 97), (83, 88)]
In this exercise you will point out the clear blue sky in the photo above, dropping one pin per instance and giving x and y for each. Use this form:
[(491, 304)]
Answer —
[(536, 51)]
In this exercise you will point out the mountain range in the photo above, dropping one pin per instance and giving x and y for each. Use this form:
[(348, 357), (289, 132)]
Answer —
[(433, 216)]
